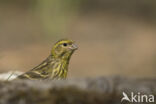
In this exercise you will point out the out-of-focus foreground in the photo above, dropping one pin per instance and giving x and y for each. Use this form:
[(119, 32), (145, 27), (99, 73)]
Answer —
[(115, 37), (101, 90)]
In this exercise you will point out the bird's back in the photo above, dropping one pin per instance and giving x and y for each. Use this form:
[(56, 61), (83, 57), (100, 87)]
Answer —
[(48, 69)]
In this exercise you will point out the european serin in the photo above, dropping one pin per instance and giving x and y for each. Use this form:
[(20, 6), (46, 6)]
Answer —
[(56, 65)]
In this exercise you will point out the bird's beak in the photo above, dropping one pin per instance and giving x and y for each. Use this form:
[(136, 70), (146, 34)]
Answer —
[(73, 47)]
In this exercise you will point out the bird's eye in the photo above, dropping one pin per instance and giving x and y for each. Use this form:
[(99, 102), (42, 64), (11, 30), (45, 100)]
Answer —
[(65, 44)]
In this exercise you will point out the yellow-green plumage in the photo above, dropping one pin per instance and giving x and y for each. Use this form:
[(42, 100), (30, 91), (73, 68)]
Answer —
[(56, 65)]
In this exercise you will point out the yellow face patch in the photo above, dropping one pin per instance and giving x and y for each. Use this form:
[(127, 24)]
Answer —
[(62, 47)]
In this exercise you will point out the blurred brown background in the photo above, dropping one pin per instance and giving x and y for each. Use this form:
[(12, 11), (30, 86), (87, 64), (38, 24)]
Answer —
[(115, 37)]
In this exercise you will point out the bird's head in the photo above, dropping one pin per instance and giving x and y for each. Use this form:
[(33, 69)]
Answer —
[(63, 48)]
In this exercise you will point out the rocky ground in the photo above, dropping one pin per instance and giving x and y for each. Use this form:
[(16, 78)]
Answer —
[(100, 90)]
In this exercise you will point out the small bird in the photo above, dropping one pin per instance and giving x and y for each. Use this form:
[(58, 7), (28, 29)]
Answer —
[(56, 65)]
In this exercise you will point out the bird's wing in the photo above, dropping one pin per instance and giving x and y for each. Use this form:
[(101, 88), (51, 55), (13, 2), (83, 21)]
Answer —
[(32, 75)]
